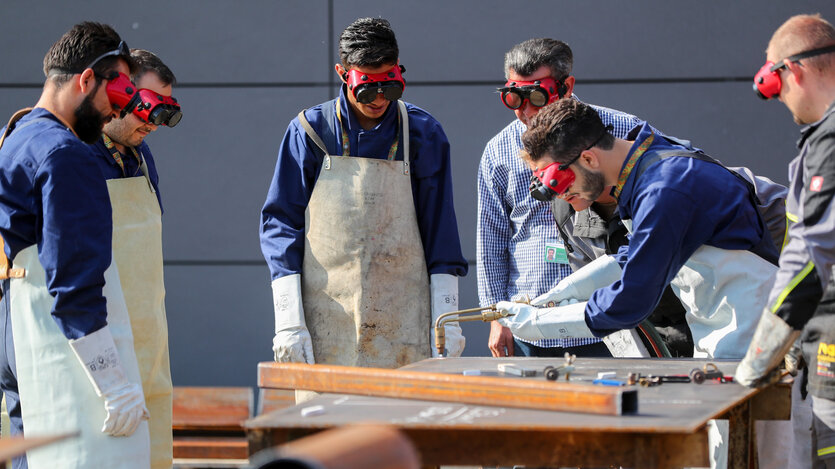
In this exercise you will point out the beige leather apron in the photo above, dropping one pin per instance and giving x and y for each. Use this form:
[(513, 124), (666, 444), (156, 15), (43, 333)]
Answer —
[(55, 394), (365, 286), (723, 292), (137, 251)]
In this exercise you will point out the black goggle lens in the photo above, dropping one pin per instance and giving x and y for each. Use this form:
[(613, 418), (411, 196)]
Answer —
[(368, 92)]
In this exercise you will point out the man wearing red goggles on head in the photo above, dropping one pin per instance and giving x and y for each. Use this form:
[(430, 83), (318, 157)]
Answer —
[(133, 185), (800, 72), (359, 228), (72, 365)]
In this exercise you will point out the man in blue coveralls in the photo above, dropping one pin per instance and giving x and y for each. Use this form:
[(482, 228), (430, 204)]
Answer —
[(359, 228), (64, 304), (693, 223)]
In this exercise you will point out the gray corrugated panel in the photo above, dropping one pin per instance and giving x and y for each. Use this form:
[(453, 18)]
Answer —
[(466, 39), (216, 166), (206, 41), (220, 323)]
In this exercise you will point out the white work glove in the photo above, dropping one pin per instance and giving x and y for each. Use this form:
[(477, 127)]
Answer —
[(444, 290), (292, 341), (124, 401), (532, 323), (772, 339), (599, 273)]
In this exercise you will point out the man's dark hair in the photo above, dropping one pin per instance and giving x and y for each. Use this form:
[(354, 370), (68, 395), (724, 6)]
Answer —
[(563, 130), (368, 42), (526, 57), (79, 47), (147, 61)]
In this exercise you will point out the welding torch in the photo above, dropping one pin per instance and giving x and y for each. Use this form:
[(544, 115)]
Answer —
[(485, 313)]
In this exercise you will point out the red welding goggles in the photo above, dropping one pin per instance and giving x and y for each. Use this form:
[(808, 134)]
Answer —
[(767, 82), (157, 109), (366, 86), (538, 93), (121, 92), (551, 181)]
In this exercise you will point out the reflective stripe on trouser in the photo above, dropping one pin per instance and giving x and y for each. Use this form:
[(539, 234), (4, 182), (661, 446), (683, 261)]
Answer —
[(365, 285), (137, 251), (56, 395)]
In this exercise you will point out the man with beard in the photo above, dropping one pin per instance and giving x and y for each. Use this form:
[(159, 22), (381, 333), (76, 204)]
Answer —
[(133, 184), (694, 224), (68, 347)]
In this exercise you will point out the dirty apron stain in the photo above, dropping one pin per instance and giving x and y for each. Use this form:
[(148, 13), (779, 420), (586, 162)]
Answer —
[(365, 286), (55, 394), (137, 251)]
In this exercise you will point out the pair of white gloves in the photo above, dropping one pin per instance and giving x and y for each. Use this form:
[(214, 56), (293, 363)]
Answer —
[(292, 342), (560, 313), (124, 401)]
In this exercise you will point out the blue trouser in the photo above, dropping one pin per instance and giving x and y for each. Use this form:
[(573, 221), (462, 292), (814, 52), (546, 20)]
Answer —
[(8, 373), (524, 349)]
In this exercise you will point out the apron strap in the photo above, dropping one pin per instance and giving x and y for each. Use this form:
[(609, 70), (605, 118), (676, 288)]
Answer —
[(16, 117), (308, 129), (404, 117)]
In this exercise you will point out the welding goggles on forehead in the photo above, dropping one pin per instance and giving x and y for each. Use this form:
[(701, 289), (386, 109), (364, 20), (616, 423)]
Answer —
[(538, 93), (366, 86), (767, 82)]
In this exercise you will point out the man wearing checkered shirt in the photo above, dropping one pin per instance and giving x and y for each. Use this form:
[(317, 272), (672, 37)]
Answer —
[(519, 252)]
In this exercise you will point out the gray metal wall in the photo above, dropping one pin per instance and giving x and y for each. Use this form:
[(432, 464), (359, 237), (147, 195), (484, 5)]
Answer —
[(246, 68)]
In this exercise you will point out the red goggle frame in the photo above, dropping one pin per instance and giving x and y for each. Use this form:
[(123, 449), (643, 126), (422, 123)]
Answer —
[(366, 86), (551, 181), (121, 92), (767, 82), (157, 109), (538, 93)]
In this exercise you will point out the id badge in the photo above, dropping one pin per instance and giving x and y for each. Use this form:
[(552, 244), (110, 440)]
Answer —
[(555, 252)]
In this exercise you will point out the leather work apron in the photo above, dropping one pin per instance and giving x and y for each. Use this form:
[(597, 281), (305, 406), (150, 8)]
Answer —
[(55, 393), (365, 287), (723, 292), (137, 251)]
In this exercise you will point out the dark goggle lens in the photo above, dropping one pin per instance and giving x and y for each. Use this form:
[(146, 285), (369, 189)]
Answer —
[(515, 97), (538, 97), (368, 92), (512, 99)]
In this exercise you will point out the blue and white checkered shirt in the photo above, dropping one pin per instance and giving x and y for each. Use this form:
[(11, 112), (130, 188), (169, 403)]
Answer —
[(514, 228)]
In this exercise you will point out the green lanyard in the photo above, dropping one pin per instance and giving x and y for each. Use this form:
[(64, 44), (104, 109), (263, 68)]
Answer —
[(630, 165), (346, 144), (118, 156)]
